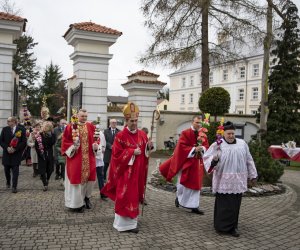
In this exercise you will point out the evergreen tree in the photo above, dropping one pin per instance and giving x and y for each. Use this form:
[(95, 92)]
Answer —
[(24, 62), (284, 99), (53, 87)]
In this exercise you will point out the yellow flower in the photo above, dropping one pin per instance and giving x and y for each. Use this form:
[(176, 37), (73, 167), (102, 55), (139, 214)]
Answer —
[(207, 115), (18, 133), (222, 121)]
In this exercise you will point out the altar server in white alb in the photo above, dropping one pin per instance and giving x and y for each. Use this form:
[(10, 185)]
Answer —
[(232, 166)]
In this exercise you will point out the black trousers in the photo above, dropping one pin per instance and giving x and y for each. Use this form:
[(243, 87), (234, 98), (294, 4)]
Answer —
[(15, 174), (226, 212), (106, 165), (45, 169), (100, 177), (60, 170)]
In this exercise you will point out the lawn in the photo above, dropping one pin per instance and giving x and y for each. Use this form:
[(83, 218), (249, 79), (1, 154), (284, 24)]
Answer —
[(294, 165)]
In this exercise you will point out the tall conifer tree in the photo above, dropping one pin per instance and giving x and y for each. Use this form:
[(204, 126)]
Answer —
[(53, 87), (284, 99)]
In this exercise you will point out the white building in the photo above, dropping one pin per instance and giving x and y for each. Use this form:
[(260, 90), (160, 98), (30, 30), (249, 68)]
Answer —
[(241, 78)]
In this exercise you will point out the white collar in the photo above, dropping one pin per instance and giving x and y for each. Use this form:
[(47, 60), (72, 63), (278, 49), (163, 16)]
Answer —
[(193, 128), (132, 132)]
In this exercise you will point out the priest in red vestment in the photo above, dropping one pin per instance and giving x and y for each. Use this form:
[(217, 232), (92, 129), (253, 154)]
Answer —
[(187, 164), (79, 147), (128, 169)]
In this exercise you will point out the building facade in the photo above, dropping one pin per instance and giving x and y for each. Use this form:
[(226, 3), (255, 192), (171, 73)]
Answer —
[(241, 78)]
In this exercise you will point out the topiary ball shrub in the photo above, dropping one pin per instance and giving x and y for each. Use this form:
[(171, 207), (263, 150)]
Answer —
[(215, 101), (269, 170)]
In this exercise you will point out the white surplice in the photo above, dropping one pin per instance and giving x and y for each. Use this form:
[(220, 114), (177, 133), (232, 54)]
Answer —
[(75, 194)]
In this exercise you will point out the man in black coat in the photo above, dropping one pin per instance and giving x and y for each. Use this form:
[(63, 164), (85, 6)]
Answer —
[(13, 142), (109, 137)]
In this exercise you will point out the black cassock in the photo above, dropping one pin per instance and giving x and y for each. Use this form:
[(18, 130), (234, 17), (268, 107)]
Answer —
[(226, 213)]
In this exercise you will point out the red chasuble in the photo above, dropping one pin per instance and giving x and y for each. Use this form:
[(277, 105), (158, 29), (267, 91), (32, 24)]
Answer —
[(192, 168), (81, 168), (126, 183)]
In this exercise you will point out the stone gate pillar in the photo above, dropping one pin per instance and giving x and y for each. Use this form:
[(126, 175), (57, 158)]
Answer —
[(142, 88), (91, 44), (11, 28)]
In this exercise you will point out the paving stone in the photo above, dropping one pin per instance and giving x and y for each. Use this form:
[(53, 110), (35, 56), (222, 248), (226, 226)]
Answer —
[(33, 219)]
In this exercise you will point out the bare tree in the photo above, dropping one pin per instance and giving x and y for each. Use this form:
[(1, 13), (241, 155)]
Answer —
[(9, 6), (181, 29)]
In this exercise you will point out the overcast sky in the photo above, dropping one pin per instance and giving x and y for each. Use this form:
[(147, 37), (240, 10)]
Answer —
[(48, 20)]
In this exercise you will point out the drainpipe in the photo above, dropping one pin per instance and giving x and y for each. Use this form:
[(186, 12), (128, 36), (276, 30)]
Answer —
[(246, 91)]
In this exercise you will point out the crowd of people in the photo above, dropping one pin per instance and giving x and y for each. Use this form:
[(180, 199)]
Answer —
[(79, 152)]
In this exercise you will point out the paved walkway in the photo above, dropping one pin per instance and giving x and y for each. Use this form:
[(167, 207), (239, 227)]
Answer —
[(33, 219)]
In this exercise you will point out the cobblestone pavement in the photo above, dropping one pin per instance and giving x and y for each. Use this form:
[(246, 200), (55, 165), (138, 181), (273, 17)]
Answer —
[(33, 219)]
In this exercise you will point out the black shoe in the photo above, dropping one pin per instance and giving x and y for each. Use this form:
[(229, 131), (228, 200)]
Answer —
[(88, 204), (197, 211), (176, 202), (14, 190), (57, 177), (103, 197), (235, 233), (45, 188), (135, 230), (78, 210)]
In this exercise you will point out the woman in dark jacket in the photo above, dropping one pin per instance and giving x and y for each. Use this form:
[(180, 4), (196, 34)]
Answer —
[(44, 147)]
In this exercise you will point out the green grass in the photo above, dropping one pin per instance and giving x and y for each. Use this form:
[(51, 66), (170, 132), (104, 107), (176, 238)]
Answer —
[(295, 164), (162, 153), (292, 168)]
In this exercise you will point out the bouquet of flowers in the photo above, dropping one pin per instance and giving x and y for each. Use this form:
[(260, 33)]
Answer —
[(38, 138), (14, 141), (97, 133), (202, 137), (219, 135), (75, 131)]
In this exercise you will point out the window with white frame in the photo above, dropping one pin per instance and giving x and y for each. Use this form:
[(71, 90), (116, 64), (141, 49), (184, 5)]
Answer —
[(183, 82), (191, 98), (241, 94), (253, 112), (242, 72), (211, 77), (255, 69), (255, 93), (225, 74), (240, 112), (182, 99), (191, 80)]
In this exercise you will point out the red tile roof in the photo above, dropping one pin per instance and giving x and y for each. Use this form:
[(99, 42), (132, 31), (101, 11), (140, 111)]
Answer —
[(10, 17), (89, 26), (143, 73), (146, 82)]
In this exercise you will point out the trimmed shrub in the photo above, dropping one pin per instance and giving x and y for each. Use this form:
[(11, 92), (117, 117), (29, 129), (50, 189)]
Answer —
[(215, 101), (269, 170)]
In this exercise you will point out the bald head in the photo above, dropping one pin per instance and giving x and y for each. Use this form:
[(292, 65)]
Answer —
[(12, 121), (113, 123)]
